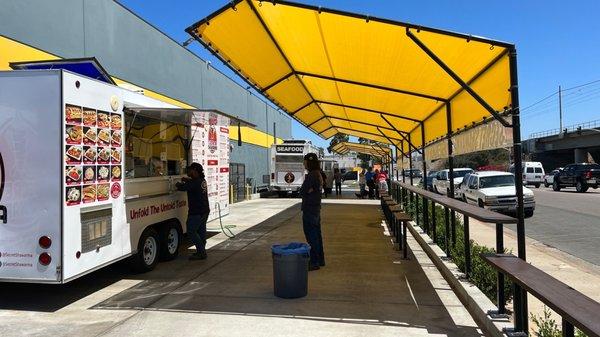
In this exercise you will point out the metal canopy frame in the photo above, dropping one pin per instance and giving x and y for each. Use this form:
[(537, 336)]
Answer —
[(465, 85)]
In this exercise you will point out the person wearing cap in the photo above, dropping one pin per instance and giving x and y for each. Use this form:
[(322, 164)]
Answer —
[(311, 210), (198, 208)]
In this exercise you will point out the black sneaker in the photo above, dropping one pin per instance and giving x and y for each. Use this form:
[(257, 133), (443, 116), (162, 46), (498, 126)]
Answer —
[(311, 268), (322, 264), (198, 256)]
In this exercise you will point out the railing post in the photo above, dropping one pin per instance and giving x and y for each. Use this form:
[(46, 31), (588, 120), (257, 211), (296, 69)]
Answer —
[(426, 215), (567, 328), (433, 223), (500, 278), (417, 209), (467, 247), (447, 231), (453, 222)]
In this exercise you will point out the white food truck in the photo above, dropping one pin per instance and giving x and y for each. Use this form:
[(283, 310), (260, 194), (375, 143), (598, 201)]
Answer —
[(87, 174), (287, 165)]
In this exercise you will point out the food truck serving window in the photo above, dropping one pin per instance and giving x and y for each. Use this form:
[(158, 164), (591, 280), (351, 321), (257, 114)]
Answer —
[(155, 147)]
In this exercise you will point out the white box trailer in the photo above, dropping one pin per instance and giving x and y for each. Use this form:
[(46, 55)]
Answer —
[(287, 165), (71, 196)]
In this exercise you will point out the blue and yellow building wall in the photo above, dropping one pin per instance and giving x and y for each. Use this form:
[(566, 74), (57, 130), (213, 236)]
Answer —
[(135, 53)]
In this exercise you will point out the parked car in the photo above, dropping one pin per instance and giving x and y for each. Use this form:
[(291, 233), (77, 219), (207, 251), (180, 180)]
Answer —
[(429, 180), (350, 176), (549, 178), (462, 187), (415, 173), (441, 180), (582, 176), (533, 173), (495, 190)]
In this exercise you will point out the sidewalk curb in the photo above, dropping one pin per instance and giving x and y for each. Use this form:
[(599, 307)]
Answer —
[(476, 303)]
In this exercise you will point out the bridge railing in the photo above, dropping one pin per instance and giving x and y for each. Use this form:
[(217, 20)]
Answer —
[(571, 128)]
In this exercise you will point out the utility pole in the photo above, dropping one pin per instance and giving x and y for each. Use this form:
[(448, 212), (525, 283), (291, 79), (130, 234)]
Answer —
[(560, 109)]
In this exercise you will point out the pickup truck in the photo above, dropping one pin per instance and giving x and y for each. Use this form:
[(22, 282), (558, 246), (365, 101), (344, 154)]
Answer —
[(582, 176)]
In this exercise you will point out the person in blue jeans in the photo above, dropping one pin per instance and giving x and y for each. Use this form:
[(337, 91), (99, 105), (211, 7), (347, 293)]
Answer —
[(311, 210), (198, 208)]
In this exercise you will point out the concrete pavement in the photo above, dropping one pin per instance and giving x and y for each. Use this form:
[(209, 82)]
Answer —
[(365, 289)]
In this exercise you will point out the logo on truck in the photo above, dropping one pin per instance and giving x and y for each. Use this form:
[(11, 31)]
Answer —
[(289, 177), (3, 211)]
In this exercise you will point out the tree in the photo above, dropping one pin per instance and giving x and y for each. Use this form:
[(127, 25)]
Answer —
[(321, 152), (339, 138)]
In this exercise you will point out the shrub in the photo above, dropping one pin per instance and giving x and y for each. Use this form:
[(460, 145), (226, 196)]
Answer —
[(482, 274)]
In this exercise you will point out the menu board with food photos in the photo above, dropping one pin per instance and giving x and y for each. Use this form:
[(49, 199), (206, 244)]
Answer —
[(210, 147), (93, 155)]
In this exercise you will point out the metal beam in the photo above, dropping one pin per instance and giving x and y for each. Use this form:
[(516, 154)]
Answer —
[(386, 137), (358, 122), (364, 132), (456, 78), (403, 136), (278, 81), (302, 107), (370, 110), (373, 86)]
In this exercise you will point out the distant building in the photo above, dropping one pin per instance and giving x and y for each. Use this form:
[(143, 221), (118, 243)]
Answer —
[(347, 162)]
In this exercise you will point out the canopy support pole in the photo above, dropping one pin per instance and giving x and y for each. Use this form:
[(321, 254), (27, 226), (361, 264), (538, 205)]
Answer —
[(450, 170), (410, 159), (424, 181), (403, 155), (456, 78), (521, 310), (399, 132)]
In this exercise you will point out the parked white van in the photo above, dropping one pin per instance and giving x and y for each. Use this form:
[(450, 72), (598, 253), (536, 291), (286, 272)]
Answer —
[(533, 173)]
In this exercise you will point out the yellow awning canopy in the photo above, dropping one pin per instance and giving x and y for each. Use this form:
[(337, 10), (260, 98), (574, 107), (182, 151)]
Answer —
[(338, 72), (376, 150)]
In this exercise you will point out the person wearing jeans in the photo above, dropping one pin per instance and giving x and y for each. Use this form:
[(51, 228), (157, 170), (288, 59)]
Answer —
[(198, 208), (311, 210)]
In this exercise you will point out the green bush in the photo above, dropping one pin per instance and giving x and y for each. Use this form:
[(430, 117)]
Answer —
[(546, 326), (482, 274)]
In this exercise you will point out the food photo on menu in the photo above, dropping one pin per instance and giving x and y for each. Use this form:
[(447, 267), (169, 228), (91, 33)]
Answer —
[(115, 190), (89, 174), (89, 154), (102, 192), (89, 117), (73, 175), (73, 154), (73, 195), (103, 119), (74, 134), (104, 137), (73, 114), (116, 173), (103, 174), (116, 156), (103, 156), (116, 138), (89, 193), (115, 121), (90, 136)]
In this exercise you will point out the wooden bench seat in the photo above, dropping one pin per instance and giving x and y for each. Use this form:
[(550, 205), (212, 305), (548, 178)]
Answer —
[(578, 309)]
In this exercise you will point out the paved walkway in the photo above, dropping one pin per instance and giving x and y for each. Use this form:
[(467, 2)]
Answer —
[(365, 289)]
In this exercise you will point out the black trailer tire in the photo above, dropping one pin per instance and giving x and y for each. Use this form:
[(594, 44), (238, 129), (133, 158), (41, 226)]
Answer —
[(581, 187), (146, 257), (546, 183), (555, 185), (528, 213), (537, 185), (480, 203), (170, 240)]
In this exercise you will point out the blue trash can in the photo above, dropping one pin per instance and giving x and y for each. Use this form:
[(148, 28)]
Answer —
[(290, 269)]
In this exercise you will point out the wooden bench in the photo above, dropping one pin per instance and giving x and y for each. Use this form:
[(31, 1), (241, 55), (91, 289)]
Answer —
[(575, 308)]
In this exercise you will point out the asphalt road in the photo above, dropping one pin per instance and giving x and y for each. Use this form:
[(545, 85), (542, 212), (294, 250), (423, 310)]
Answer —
[(568, 221)]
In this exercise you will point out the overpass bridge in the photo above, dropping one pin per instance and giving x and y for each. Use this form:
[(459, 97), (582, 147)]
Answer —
[(574, 144)]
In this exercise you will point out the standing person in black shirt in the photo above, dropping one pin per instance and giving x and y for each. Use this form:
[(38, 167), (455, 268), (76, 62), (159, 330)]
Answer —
[(311, 210), (198, 208)]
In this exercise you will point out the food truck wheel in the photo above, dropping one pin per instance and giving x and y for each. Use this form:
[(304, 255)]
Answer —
[(147, 254), (170, 239)]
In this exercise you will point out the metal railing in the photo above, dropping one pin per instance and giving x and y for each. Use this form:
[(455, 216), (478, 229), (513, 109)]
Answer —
[(405, 194), (571, 128)]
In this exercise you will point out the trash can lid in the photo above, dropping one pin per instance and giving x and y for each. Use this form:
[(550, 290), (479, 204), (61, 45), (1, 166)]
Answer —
[(291, 248)]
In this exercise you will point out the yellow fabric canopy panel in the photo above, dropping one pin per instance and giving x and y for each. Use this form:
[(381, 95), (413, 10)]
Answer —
[(381, 151), (338, 72)]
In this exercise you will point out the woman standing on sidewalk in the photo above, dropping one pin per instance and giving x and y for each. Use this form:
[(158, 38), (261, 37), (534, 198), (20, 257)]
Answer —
[(337, 177), (311, 210)]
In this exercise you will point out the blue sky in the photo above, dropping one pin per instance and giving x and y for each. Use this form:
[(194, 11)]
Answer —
[(558, 43)]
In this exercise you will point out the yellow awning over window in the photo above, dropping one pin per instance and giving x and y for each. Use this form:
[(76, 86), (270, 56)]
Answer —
[(381, 151), (345, 73)]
